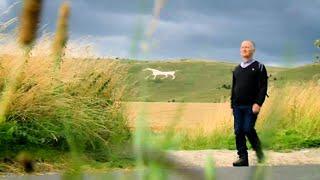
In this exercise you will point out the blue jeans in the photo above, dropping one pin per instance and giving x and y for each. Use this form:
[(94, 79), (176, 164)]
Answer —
[(244, 122)]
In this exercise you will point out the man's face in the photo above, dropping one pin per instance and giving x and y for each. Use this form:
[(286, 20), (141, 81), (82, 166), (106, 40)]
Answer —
[(246, 50)]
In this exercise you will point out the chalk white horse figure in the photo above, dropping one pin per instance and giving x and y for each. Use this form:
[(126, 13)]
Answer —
[(156, 73)]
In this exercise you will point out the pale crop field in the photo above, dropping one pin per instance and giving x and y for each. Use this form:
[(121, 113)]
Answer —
[(294, 102), (192, 117)]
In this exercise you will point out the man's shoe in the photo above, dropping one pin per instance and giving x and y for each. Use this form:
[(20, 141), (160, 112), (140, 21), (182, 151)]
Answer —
[(260, 156), (241, 162)]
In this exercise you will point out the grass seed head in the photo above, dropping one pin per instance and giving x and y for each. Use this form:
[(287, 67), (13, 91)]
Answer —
[(30, 19), (62, 29)]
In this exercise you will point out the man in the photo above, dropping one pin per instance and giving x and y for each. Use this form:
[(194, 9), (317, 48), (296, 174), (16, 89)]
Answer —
[(249, 88)]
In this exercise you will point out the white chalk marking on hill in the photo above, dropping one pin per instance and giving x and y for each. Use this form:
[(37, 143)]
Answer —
[(156, 73)]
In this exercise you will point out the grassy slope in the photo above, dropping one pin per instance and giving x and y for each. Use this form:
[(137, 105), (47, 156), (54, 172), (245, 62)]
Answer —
[(298, 74), (196, 81)]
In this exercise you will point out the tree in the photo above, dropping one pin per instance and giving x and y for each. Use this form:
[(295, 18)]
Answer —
[(317, 43), (317, 57)]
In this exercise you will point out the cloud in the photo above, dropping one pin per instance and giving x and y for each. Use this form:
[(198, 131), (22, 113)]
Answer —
[(112, 46), (198, 29), (3, 5)]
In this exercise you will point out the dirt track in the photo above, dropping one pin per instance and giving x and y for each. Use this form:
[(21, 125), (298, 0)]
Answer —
[(224, 158)]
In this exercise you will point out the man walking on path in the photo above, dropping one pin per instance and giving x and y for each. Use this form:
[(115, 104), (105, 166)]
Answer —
[(249, 88)]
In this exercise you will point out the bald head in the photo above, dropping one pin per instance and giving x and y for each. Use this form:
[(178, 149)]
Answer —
[(247, 50)]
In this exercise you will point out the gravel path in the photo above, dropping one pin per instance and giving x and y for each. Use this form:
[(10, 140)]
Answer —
[(301, 164), (224, 158)]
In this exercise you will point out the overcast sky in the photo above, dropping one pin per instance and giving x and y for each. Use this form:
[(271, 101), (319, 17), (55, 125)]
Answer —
[(198, 29)]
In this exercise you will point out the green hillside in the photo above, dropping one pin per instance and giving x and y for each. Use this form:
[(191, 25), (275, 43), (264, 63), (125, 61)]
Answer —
[(297, 75), (196, 81)]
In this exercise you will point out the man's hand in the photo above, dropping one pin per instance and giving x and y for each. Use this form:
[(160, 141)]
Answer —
[(255, 108)]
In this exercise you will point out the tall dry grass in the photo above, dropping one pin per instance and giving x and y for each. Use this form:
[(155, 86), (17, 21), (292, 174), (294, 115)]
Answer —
[(90, 90), (29, 21), (290, 118), (81, 101), (293, 117)]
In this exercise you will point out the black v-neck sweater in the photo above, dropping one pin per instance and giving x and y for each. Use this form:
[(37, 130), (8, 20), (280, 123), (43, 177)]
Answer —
[(249, 85)]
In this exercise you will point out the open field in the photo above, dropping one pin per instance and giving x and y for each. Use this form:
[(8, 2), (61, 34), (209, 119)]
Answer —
[(186, 116), (288, 119)]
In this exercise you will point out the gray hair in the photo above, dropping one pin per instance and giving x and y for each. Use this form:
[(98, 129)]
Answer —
[(252, 42)]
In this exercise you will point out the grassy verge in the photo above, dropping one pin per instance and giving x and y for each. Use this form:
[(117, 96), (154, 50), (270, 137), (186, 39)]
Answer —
[(81, 107)]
